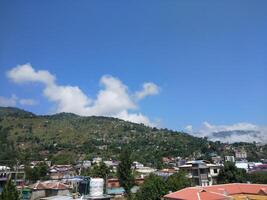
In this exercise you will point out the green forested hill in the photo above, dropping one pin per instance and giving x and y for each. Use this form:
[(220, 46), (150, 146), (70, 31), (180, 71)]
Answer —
[(68, 137)]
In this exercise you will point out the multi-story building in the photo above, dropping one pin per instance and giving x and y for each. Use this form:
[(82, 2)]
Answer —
[(202, 173), (229, 158), (240, 154), (17, 175)]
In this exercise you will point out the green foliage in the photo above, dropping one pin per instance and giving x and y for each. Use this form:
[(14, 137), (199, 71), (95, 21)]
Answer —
[(26, 137), (65, 138), (178, 181), (39, 172), (231, 174), (9, 192), (154, 188), (100, 170), (64, 158), (258, 177), (8, 153), (125, 174)]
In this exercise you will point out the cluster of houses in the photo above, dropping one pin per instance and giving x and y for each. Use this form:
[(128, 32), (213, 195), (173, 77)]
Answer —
[(66, 182)]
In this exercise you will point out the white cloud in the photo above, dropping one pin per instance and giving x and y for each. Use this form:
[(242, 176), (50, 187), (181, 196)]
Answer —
[(25, 73), (8, 101), (27, 102), (148, 89), (112, 100), (189, 128), (13, 100), (238, 132), (135, 117)]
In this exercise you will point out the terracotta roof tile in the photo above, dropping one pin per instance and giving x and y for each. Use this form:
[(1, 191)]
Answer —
[(49, 185), (217, 192)]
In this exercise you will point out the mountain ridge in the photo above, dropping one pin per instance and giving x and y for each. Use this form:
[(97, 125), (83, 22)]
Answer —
[(68, 138), (78, 137)]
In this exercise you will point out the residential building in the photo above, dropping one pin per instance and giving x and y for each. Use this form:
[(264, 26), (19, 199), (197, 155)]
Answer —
[(217, 159), (165, 173), (202, 173), (58, 172), (17, 175), (97, 160), (242, 165), (137, 165), (145, 170), (234, 191), (229, 158), (258, 168), (240, 154), (47, 189)]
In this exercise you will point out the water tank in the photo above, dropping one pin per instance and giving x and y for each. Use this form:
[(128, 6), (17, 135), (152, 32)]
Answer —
[(96, 186)]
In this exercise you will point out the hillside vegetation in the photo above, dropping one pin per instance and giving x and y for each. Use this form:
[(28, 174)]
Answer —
[(67, 138)]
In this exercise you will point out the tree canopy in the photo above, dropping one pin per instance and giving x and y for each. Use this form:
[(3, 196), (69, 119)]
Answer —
[(125, 174), (154, 188), (39, 172), (231, 174), (9, 192), (258, 177), (178, 181), (100, 170)]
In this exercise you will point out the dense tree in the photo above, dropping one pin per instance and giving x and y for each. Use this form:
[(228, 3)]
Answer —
[(154, 188), (178, 181), (39, 172), (56, 136), (9, 192), (100, 170), (125, 174), (8, 153), (231, 174), (65, 157), (258, 177)]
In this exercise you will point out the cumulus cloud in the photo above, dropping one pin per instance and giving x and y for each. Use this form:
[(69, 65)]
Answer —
[(25, 73), (238, 132), (113, 99), (8, 101), (14, 100), (148, 89)]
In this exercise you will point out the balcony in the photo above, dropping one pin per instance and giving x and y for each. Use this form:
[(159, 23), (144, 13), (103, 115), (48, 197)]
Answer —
[(203, 176)]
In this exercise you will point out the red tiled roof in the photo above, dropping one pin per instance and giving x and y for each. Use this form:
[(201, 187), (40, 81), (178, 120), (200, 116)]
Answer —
[(49, 185), (217, 192)]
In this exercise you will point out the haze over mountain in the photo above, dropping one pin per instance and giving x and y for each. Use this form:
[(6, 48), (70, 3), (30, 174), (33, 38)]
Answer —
[(240, 132)]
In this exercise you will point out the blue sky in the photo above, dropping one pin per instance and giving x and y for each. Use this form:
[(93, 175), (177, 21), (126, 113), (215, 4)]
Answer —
[(207, 58)]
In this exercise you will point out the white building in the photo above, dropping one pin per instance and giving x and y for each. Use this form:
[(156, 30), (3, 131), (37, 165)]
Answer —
[(229, 158), (137, 165), (242, 165)]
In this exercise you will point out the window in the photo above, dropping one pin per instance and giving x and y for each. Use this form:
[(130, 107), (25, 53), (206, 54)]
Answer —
[(215, 171)]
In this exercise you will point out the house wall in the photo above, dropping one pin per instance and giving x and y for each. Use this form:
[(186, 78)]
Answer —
[(36, 194)]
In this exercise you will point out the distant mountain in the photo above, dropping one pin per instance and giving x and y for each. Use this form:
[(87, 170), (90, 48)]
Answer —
[(223, 134), (238, 135), (67, 137)]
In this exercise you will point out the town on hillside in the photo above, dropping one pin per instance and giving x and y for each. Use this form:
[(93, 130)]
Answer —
[(229, 177), (133, 100)]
